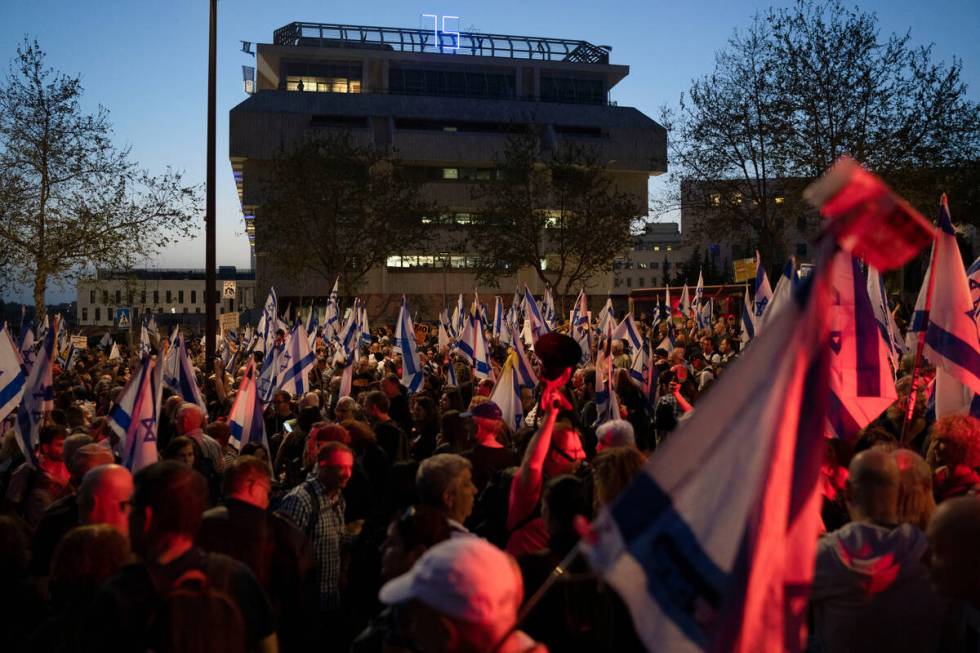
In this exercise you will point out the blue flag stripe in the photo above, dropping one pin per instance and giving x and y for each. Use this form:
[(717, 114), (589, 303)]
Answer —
[(953, 348), (866, 334)]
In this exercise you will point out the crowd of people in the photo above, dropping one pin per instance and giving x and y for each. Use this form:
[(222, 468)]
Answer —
[(385, 520)]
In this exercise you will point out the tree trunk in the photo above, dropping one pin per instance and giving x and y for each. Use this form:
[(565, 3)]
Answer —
[(40, 285)]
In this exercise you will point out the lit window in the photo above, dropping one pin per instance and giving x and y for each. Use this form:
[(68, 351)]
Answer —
[(780, 200), (449, 129), (450, 173), (715, 199), (656, 248), (669, 248), (736, 198), (394, 261), (323, 84)]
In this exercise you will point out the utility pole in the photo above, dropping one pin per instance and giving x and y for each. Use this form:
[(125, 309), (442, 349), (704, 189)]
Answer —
[(210, 284)]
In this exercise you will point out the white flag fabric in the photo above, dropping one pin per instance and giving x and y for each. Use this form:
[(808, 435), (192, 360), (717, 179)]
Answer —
[(748, 324), (406, 345), (245, 419), (507, 394), (12, 374), (269, 321), (134, 417), (37, 398), (114, 354), (861, 381), (783, 292), (606, 399), (498, 318), (472, 344), (951, 339), (761, 298), (685, 304), (712, 546), (607, 313)]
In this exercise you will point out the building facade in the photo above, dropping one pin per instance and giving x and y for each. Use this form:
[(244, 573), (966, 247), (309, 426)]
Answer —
[(446, 102), (175, 296)]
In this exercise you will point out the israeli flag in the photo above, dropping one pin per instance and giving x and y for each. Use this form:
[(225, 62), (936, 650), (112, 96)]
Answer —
[(685, 304), (43, 326), (886, 322), (643, 373), (507, 394), (549, 308), (114, 353), (699, 302), (350, 335), (135, 417), (266, 384), (578, 325), (538, 325), (748, 324), (606, 399), (365, 328), (525, 373), (627, 331), (712, 546), (37, 398), (668, 308), (951, 339), (27, 350), (405, 344), (335, 292), (784, 290), (498, 318), (608, 313), (12, 374), (861, 380), (180, 377), (459, 315), (295, 363), (106, 342), (312, 324), (245, 419), (472, 344)]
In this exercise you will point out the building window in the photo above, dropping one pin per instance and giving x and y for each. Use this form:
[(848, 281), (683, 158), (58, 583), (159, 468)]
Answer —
[(84, 314), (197, 309), (714, 199), (801, 249), (180, 296), (669, 248), (193, 297), (335, 77), (801, 224), (617, 282), (169, 297), (91, 297), (736, 198), (779, 200), (105, 296), (640, 282), (629, 282), (119, 297), (98, 314), (156, 297), (655, 266), (185, 309), (450, 173), (143, 297)]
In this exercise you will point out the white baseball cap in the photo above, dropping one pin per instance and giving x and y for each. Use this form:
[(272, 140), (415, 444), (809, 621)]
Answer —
[(466, 578)]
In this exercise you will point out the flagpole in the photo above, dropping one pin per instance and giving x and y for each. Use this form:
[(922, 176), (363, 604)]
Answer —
[(920, 345), (210, 283)]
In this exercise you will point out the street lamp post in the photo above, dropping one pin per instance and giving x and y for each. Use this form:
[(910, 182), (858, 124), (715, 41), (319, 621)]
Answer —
[(210, 283)]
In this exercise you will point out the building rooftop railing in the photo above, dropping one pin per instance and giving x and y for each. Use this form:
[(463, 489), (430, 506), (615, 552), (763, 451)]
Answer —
[(399, 39)]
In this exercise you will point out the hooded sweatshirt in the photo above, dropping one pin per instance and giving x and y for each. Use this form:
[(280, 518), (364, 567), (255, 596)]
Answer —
[(871, 592)]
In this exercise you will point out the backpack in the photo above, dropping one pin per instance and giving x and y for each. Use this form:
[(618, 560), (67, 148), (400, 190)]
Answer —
[(490, 510), (195, 614)]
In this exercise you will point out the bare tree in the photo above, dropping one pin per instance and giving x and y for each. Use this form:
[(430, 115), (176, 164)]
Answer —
[(69, 199), (559, 215), (336, 208), (796, 89)]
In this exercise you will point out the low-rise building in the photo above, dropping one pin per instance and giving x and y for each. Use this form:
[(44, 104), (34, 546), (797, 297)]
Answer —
[(177, 294)]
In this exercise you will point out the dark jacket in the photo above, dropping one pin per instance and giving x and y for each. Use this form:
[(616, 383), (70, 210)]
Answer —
[(280, 556)]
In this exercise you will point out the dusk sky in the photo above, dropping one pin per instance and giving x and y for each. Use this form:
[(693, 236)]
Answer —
[(147, 62)]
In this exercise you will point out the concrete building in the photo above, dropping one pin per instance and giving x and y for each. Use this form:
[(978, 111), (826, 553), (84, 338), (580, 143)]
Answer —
[(446, 102), (713, 218), (175, 296), (651, 261)]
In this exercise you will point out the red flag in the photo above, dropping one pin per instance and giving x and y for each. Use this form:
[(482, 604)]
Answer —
[(866, 218)]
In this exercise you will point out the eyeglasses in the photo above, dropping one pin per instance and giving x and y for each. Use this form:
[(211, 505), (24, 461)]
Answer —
[(567, 456)]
